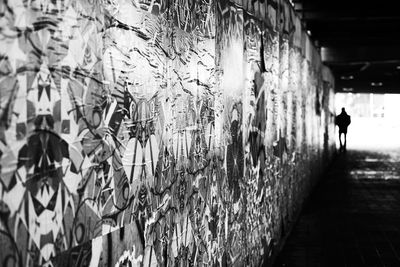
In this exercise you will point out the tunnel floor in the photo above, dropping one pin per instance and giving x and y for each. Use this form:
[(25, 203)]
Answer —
[(353, 216)]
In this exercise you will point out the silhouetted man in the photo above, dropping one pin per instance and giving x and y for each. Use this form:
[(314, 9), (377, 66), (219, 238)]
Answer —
[(343, 121)]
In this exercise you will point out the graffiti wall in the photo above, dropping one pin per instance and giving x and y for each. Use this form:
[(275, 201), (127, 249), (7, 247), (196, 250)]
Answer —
[(155, 133)]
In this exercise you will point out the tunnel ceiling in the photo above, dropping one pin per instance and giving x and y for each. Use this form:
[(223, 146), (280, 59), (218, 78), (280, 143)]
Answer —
[(360, 41)]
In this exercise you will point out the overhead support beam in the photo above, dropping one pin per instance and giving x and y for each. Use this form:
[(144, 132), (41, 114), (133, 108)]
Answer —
[(368, 89), (364, 84), (356, 42), (357, 54), (346, 10), (332, 17), (357, 26), (368, 82), (345, 16)]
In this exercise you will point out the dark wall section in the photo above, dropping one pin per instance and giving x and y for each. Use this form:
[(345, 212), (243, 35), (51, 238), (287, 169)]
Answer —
[(156, 132)]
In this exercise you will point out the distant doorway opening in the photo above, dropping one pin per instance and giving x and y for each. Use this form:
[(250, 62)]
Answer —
[(375, 120)]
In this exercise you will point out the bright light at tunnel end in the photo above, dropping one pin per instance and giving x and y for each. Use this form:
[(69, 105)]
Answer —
[(374, 120)]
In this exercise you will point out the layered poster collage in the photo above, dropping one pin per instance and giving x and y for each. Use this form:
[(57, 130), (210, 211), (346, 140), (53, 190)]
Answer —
[(155, 132)]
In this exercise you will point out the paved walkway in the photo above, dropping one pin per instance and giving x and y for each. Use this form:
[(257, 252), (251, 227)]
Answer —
[(353, 216)]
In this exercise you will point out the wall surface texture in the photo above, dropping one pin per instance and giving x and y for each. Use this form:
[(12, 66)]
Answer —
[(162, 132)]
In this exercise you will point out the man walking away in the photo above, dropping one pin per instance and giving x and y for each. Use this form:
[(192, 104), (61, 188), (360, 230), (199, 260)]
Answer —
[(343, 121)]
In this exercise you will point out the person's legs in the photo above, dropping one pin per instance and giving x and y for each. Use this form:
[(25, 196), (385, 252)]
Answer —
[(340, 141), (345, 140)]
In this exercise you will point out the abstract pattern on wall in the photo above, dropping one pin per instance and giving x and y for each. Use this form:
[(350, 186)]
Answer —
[(165, 132)]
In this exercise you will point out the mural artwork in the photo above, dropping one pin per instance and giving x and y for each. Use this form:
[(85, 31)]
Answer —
[(154, 133)]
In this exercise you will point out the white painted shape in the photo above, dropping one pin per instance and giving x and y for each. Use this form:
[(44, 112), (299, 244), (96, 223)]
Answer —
[(14, 197), (97, 248)]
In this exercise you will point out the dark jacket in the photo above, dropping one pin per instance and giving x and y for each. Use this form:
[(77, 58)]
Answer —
[(343, 121)]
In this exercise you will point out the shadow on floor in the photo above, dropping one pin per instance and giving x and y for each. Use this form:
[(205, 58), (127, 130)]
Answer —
[(353, 216)]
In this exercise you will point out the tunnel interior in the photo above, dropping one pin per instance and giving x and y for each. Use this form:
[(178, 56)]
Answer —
[(159, 133)]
